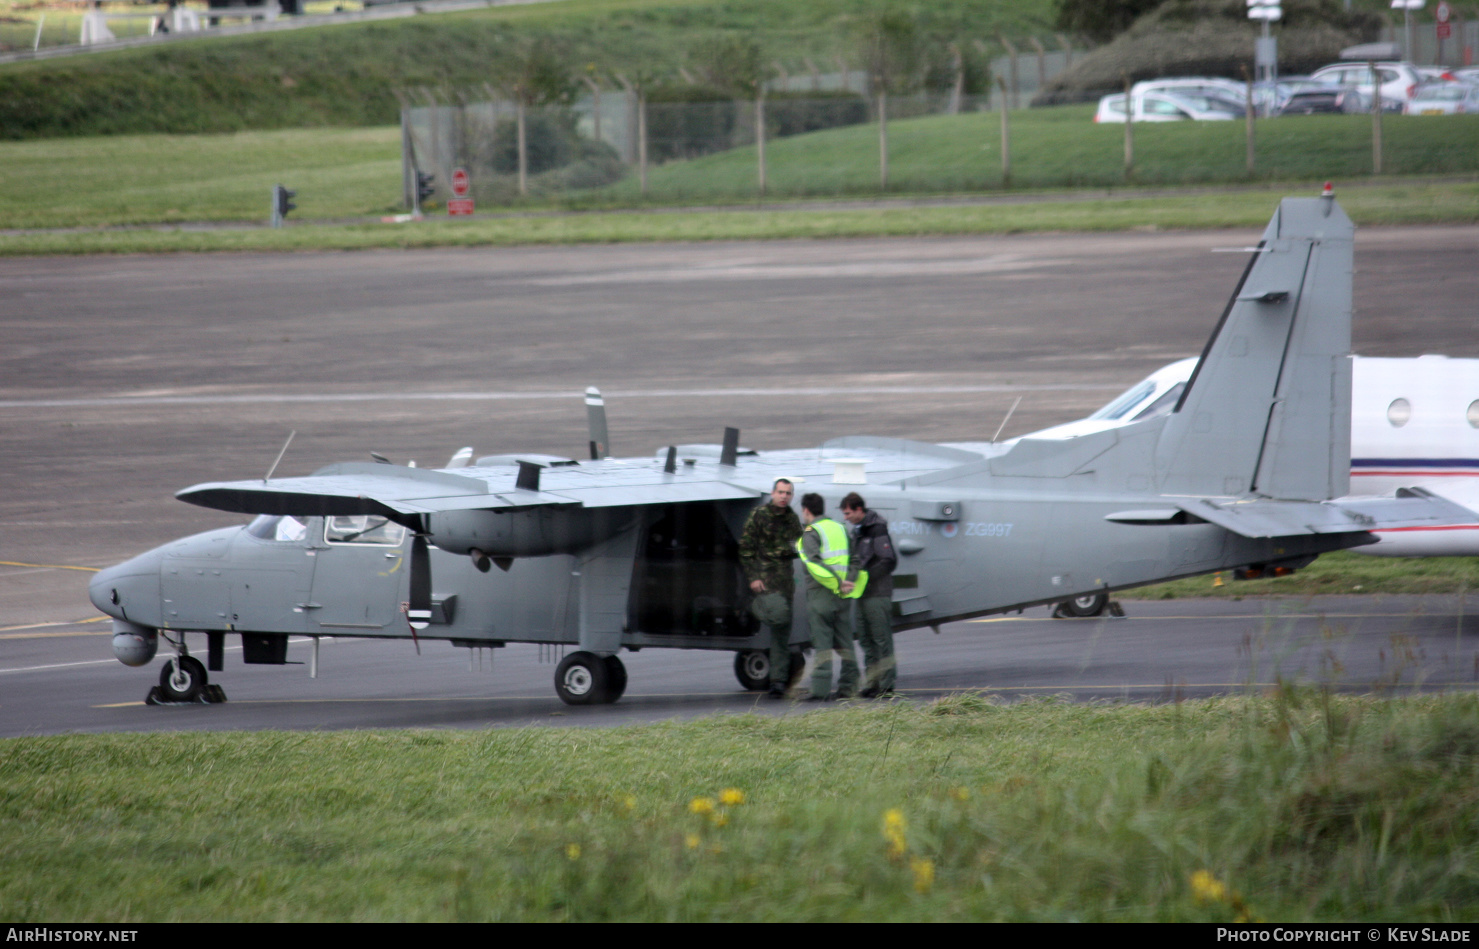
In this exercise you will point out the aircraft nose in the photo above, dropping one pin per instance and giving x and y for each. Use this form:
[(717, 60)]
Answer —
[(129, 590)]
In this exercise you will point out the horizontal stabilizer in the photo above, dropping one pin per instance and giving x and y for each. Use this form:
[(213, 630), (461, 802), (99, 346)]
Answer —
[(1263, 518)]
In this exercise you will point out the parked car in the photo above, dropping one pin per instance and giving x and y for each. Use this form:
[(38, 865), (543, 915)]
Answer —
[(1322, 99), (1229, 89), (1167, 107), (1399, 81), (1269, 97), (1445, 98)]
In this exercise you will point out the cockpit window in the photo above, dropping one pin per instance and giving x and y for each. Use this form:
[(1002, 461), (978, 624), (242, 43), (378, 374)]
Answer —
[(1125, 402), (1162, 405), (278, 527), (363, 529)]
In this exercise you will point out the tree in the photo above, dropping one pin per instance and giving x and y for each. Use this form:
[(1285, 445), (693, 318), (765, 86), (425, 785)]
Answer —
[(1101, 20)]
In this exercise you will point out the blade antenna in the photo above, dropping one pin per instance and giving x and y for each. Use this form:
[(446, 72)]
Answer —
[(279, 456), (595, 415), (1007, 419)]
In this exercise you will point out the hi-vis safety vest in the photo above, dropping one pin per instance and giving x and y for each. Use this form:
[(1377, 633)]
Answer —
[(833, 567)]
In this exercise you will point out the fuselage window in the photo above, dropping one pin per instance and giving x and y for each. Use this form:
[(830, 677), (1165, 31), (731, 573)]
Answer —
[(1473, 413), (363, 529), (1399, 412), (277, 527)]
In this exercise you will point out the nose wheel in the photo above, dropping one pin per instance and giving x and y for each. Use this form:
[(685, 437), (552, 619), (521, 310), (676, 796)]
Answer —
[(183, 681)]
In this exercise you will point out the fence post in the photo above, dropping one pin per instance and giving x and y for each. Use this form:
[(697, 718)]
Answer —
[(882, 138), (1012, 54), (760, 131), (958, 90), (1129, 131), (595, 106), (1006, 138), (1248, 106), (1042, 63), (1067, 50), (408, 158), (523, 141), (1375, 119), (642, 135)]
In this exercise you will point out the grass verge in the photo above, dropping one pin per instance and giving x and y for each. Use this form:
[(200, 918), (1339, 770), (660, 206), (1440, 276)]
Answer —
[(1305, 806), (1340, 572), (1396, 203)]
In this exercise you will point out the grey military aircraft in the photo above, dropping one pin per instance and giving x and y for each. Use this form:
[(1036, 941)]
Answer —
[(610, 553)]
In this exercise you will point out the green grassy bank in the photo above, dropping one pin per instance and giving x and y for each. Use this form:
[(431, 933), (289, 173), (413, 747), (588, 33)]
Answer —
[(1304, 806), (349, 74), (1340, 572)]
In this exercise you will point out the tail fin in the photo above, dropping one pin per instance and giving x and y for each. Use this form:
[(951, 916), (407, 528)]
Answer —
[(1268, 410)]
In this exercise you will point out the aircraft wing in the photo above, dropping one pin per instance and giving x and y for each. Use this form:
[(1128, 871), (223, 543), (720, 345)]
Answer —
[(1266, 517), (390, 490)]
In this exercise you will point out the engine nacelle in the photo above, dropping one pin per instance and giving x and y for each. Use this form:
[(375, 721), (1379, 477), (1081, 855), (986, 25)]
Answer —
[(528, 532), (134, 645)]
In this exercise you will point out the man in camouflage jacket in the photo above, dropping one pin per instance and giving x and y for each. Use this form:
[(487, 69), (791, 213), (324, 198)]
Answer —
[(767, 549)]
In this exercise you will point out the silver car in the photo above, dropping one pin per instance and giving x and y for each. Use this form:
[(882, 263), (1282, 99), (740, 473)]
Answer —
[(1445, 98)]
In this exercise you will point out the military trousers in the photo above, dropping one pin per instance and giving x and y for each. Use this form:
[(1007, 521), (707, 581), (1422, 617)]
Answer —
[(830, 630), (875, 633), (774, 610)]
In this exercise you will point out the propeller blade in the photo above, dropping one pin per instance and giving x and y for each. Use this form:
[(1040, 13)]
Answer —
[(419, 613), (595, 414)]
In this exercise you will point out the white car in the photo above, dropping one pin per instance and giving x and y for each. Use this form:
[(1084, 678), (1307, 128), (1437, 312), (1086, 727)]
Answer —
[(1445, 98), (1399, 81), (1166, 107)]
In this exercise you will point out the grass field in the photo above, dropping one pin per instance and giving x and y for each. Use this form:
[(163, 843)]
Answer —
[(1340, 572), (351, 175), (1304, 806)]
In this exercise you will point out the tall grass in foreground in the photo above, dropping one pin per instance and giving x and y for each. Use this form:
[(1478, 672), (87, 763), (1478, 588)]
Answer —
[(1301, 806)]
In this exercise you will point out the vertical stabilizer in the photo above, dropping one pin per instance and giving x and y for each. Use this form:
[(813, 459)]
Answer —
[(1268, 410)]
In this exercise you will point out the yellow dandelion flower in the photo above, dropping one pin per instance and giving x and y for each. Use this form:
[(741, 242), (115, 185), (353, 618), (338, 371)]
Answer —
[(960, 794), (701, 805), (731, 797), (719, 820), (572, 851), (893, 831), (924, 874), (1207, 888), (691, 841), (893, 820), (629, 802)]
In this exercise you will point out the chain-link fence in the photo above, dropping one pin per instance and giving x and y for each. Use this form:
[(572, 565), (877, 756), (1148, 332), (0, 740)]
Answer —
[(601, 145)]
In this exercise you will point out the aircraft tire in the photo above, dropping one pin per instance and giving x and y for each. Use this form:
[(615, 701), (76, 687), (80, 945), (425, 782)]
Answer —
[(752, 669), (616, 678), (181, 679), (1090, 604), (581, 678)]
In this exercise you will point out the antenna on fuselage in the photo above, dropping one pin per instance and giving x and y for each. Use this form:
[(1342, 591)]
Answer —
[(268, 476), (1006, 420)]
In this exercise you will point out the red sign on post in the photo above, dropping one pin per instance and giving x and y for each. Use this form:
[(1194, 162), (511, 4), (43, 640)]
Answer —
[(456, 206), (461, 204), (460, 183)]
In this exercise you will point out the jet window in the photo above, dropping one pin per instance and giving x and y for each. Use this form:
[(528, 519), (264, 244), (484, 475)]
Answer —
[(1162, 405), (1473, 413), (363, 529), (277, 527), (1399, 412), (1122, 405)]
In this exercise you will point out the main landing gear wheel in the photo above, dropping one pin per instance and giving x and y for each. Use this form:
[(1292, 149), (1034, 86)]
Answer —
[(584, 678), (1090, 604), (181, 679), (616, 678), (752, 669)]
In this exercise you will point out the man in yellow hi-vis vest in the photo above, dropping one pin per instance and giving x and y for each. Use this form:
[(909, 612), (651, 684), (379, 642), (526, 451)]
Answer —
[(831, 577)]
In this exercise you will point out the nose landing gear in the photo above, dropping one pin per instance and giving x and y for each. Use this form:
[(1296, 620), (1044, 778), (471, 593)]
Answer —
[(183, 681)]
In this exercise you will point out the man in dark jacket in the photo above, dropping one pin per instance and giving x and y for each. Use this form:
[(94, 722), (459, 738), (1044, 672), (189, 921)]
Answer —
[(875, 550), (767, 551)]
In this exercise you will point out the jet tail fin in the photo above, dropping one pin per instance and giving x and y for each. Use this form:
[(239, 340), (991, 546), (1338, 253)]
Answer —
[(1267, 412)]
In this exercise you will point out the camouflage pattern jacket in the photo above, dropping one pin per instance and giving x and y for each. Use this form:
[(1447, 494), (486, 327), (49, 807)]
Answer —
[(768, 546)]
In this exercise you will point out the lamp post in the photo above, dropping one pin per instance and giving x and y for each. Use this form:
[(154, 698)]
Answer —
[(1266, 48), (1407, 6)]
